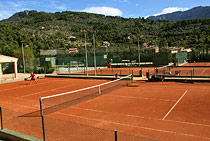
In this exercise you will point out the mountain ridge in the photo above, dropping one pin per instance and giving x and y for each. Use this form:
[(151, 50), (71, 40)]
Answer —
[(194, 13)]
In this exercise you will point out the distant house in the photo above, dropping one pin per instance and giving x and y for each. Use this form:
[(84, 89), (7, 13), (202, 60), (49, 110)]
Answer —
[(73, 50), (187, 50), (72, 38), (106, 44), (174, 50), (50, 52)]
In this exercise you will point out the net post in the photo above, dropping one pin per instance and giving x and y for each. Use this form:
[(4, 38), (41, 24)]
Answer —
[(132, 77), (42, 116), (99, 90), (115, 135), (1, 118)]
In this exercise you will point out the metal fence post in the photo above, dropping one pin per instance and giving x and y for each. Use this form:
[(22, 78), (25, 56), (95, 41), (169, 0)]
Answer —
[(1, 118), (42, 116), (115, 135), (99, 90)]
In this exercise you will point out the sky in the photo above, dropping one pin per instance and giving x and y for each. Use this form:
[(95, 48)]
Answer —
[(122, 8)]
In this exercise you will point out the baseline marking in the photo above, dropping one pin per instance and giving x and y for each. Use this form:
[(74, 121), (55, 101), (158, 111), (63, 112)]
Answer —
[(174, 105)]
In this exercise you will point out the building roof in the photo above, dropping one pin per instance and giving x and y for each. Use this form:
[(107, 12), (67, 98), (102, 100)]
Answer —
[(4, 59)]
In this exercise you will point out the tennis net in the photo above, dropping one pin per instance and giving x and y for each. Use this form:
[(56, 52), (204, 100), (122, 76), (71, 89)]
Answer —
[(53, 103)]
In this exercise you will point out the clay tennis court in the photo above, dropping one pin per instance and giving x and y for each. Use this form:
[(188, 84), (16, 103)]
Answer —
[(147, 110), (121, 71), (197, 64), (190, 69)]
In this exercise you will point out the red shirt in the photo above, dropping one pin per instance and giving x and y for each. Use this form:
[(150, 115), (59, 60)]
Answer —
[(33, 76), (110, 64)]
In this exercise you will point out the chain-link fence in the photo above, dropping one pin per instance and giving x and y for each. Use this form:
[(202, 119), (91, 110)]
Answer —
[(188, 71), (57, 129)]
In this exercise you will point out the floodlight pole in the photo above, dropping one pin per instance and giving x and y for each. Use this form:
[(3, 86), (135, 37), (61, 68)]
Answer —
[(24, 70), (86, 56), (139, 52), (94, 45)]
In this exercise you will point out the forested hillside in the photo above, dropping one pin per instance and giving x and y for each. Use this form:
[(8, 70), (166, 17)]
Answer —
[(63, 30)]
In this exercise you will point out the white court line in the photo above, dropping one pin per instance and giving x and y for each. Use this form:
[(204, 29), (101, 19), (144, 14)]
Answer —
[(174, 105), (131, 97), (128, 125), (203, 71)]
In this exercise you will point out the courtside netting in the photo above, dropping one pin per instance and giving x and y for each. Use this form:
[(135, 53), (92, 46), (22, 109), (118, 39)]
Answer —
[(163, 70), (53, 103)]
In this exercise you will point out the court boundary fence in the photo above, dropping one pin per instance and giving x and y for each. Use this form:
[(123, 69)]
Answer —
[(90, 132)]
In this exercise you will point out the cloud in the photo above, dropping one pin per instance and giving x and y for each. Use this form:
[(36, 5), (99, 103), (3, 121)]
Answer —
[(5, 14), (61, 7), (56, 5), (9, 7), (108, 11), (123, 0), (13, 4), (170, 10)]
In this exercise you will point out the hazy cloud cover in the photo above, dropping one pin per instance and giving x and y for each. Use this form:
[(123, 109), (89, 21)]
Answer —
[(108, 11), (171, 10)]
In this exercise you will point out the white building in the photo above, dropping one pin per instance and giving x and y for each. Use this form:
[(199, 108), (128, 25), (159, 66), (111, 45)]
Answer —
[(8, 59)]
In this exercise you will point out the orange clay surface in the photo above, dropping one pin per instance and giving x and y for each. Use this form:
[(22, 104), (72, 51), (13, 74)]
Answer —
[(198, 69), (155, 110)]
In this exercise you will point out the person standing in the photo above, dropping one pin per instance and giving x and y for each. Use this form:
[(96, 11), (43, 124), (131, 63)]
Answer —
[(116, 75), (33, 78), (110, 65)]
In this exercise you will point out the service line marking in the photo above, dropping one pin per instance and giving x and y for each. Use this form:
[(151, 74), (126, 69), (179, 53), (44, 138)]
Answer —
[(203, 71), (174, 105)]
